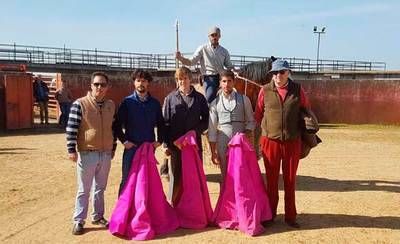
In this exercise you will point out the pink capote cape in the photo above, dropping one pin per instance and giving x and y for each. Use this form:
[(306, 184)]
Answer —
[(243, 202), (194, 207), (142, 210)]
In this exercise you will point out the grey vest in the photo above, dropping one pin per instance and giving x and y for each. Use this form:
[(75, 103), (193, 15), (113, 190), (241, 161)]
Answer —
[(226, 116)]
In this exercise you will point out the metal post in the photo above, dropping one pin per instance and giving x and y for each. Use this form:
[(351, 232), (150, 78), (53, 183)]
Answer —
[(322, 31), (15, 52), (319, 40)]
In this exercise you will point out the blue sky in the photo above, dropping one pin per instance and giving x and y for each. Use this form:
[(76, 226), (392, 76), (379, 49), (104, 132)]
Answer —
[(355, 30)]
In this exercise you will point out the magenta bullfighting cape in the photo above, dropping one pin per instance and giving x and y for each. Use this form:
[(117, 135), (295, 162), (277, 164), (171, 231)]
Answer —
[(142, 210), (243, 202), (194, 206)]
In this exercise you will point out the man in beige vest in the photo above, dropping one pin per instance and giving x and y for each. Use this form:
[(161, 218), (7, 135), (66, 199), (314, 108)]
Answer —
[(90, 129), (278, 112)]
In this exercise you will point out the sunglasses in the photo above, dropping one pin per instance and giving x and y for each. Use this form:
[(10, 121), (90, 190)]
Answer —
[(100, 84), (280, 72)]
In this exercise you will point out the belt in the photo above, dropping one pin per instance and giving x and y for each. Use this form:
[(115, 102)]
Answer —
[(95, 150)]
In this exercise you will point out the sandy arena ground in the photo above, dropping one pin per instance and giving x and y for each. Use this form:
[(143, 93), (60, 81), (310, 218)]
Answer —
[(347, 192)]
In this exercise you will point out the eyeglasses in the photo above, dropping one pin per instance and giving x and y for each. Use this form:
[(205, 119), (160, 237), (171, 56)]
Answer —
[(280, 72), (100, 84)]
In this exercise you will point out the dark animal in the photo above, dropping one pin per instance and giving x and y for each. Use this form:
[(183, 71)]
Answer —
[(257, 75)]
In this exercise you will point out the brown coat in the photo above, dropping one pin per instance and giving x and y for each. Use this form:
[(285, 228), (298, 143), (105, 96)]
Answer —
[(281, 119), (310, 126)]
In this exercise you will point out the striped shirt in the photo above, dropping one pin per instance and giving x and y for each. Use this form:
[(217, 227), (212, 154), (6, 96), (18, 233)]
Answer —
[(74, 121)]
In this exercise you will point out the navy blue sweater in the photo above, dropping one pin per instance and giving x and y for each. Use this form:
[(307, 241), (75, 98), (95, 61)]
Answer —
[(139, 118)]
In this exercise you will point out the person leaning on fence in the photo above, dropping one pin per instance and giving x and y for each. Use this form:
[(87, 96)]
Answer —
[(278, 111), (89, 129), (64, 99), (213, 59), (41, 95), (139, 113), (230, 113)]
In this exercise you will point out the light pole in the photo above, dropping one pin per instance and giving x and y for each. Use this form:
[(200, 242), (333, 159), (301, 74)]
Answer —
[(316, 31)]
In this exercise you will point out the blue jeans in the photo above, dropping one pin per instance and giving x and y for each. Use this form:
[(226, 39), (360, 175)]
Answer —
[(92, 167), (211, 86), (64, 107), (127, 158)]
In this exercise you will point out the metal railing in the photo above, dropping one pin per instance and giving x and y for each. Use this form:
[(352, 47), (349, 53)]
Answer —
[(82, 58)]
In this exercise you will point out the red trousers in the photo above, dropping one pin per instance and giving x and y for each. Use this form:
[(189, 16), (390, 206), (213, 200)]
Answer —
[(275, 151)]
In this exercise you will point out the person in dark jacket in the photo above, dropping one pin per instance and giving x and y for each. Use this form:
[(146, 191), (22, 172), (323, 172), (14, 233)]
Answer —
[(41, 95), (184, 109), (139, 113), (64, 99)]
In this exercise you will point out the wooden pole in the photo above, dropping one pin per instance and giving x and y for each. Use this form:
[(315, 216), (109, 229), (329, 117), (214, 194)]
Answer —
[(177, 42)]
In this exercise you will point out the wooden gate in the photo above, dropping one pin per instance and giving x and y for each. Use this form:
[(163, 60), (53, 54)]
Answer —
[(18, 101)]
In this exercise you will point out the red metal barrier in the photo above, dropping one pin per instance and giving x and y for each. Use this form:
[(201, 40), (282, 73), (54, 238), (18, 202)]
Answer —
[(16, 100), (355, 101), (122, 85), (13, 67)]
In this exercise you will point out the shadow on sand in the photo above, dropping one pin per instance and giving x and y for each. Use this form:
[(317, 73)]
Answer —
[(310, 183), (328, 221)]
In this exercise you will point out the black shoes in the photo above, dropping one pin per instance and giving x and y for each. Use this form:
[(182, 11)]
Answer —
[(77, 229), (102, 222), (293, 224), (268, 223)]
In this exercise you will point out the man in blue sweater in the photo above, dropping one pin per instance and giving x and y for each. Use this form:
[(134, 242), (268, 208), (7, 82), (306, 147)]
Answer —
[(139, 113)]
